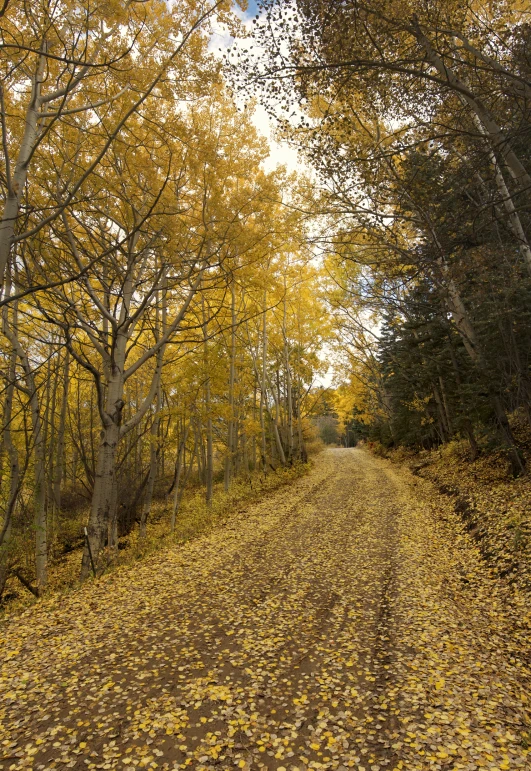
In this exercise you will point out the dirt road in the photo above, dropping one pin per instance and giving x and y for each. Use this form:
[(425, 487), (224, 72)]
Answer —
[(346, 621)]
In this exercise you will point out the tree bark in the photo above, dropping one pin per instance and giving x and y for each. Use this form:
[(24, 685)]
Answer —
[(499, 142), (263, 391), (60, 452), (10, 449), (209, 458), (179, 488), (231, 426), (289, 397), (153, 458), (15, 186), (39, 454)]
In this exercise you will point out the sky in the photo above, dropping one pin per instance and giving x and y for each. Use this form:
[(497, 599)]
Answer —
[(280, 152)]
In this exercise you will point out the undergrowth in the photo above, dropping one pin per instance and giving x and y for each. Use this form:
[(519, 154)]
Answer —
[(496, 507), (194, 518)]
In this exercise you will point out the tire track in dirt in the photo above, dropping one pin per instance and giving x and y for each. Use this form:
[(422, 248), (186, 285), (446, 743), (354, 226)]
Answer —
[(324, 627)]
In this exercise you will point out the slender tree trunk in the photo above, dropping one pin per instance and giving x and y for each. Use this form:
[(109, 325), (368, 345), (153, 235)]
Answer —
[(155, 426), (200, 453), (179, 488), (515, 223), (445, 406), (231, 427), (245, 453), (153, 457), (39, 454), (274, 420), (60, 453), (254, 443), (39, 491), (515, 456), (278, 443), (460, 316), (47, 420), (50, 443), (263, 391), (209, 460), (474, 449), (16, 184), (181, 458), (10, 449), (465, 327), (303, 455), (445, 430), (499, 142), (289, 397)]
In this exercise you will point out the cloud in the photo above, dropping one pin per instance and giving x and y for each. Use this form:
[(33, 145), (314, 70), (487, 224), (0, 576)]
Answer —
[(281, 153), (252, 9)]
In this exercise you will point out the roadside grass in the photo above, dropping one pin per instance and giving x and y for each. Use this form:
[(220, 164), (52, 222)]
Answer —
[(194, 519), (495, 507)]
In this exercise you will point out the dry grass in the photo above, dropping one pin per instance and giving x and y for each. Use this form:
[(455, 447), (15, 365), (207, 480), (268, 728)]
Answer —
[(194, 519), (495, 507)]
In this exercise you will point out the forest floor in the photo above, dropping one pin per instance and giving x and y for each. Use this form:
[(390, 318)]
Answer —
[(348, 621), (495, 507), (194, 519)]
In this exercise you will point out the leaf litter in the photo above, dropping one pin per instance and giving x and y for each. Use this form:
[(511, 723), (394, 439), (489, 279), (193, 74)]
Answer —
[(346, 622)]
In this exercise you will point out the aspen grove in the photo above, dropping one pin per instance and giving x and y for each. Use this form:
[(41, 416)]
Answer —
[(265, 385), (160, 318)]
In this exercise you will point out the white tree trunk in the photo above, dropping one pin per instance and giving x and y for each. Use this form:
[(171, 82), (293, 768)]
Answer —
[(209, 460), (153, 456), (39, 489), (14, 471), (231, 427), (16, 185), (60, 453), (103, 498), (499, 142)]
